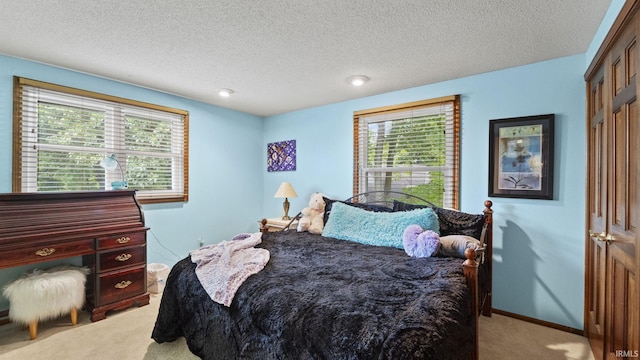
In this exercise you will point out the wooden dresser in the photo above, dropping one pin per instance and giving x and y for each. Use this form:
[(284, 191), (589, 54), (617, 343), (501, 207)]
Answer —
[(105, 228)]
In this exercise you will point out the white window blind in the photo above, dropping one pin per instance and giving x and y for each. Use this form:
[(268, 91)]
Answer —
[(64, 133), (410, 148)]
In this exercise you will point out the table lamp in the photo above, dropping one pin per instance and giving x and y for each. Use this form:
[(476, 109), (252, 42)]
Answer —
[(111, 163), (285, 191)]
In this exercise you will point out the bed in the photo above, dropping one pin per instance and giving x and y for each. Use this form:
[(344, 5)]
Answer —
[(320, 297)]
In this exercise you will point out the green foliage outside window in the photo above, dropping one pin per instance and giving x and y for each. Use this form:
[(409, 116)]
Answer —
[(68, 139), (409, 143)]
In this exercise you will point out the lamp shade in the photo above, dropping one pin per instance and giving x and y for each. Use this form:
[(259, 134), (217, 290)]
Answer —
[(109, 162), (285, 191)]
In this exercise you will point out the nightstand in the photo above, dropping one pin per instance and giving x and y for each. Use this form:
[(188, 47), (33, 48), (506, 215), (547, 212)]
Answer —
[(277, 224)]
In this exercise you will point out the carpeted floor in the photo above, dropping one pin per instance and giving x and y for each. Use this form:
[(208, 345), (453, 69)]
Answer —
[(503, 337), (126, 335)]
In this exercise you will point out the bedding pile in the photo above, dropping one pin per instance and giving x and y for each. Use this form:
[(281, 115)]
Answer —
[(223, 267), (323, 298)]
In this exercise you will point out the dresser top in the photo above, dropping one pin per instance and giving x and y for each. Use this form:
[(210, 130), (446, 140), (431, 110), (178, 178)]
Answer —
[(26, 218)]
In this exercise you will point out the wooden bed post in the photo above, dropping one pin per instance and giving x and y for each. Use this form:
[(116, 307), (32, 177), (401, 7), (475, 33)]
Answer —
[(488, 256), (470, 267), (263, 226)]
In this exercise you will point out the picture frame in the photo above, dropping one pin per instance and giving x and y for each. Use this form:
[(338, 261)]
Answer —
[(521, 157), (281, 156)]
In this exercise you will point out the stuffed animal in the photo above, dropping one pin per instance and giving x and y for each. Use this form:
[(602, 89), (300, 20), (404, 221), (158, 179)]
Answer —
[(312, 219), (418, 242)]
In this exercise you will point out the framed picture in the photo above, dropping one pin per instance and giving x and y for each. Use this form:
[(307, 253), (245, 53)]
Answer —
[(281, 156), (521, 157)]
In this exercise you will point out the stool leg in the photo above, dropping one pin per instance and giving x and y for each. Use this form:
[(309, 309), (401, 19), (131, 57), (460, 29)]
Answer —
[(33, 329), (74, 316)]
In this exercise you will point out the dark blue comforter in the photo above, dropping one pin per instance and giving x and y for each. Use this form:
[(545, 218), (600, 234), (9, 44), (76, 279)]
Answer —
[(321, 298)]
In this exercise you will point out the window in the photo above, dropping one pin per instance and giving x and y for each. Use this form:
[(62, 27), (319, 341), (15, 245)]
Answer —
[(411, 148), (61, 134)]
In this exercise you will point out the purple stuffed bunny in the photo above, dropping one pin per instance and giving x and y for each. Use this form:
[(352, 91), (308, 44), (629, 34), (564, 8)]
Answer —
[(420, 243)]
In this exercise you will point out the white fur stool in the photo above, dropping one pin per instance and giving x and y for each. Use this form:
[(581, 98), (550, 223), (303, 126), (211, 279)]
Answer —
[(46, 294)]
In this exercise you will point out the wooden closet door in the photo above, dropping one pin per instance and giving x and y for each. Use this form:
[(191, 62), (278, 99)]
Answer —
[(596, 251), (612, 301), (623, 232)]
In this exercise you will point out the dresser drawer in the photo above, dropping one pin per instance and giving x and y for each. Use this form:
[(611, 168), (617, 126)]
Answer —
[(117, 286), (122, 257), (119, 240), (46, 252)]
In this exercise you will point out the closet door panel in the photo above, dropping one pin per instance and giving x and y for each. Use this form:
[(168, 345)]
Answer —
[(621, 332), (596, 250), (612, 289)]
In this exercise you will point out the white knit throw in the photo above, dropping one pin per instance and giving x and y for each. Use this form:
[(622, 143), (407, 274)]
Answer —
[(223, 267)]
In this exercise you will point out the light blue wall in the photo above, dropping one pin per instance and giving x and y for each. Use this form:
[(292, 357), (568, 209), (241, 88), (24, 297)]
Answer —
[(225, 165), (539, 249)]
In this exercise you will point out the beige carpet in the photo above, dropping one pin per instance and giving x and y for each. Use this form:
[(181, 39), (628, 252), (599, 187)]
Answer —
[(123, 335), (502, 337), (126, 335)]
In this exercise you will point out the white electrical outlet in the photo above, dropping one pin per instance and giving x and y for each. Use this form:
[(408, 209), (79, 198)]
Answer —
[(201, 242)]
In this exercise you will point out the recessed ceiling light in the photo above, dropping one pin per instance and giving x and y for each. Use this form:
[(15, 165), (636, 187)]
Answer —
[(225, 92), (357, 80)]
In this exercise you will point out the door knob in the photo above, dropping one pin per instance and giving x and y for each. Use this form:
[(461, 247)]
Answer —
[(603, 236), (599, 236)]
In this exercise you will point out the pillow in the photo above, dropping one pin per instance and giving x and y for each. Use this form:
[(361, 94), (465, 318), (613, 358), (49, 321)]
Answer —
[(420, 243), (369, 207), (452, 222), (402, 206), (375, 228), (455, 245)]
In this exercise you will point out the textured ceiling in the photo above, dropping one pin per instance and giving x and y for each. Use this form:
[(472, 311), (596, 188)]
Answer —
[(284, 55)]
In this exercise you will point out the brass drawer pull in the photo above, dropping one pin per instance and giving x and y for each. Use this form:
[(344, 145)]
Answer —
[(123, 257), (123, 240), (123, 284), (45, 252)]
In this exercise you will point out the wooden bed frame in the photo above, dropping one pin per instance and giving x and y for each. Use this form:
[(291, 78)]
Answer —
[(470, 265)]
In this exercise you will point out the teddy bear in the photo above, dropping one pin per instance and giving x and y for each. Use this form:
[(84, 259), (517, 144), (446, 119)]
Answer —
[(312, 219)]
